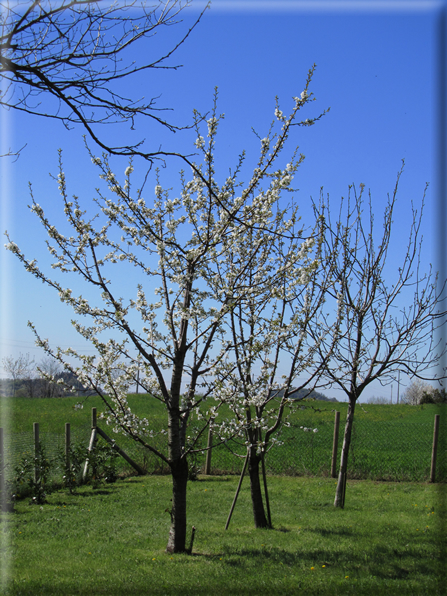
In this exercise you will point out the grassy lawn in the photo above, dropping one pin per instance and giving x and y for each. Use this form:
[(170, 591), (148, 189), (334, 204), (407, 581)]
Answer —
[(111, 541)]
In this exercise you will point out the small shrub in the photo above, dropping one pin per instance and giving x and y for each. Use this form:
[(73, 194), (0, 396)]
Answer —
[(27, 483), (102, 463), (73, 469)]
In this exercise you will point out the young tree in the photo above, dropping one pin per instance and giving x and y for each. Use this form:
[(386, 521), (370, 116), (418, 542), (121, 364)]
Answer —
[(386, 326), (270, 349), (78, 53), (179, 247)]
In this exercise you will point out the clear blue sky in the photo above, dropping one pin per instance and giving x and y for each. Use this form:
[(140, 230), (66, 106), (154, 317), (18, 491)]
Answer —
[(376, 70)]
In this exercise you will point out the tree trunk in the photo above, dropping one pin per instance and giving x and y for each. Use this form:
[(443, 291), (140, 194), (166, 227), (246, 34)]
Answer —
[(255, 488), (177, 531), (179, 468), (341, 484)]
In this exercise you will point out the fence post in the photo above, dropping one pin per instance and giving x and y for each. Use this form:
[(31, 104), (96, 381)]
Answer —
[(36, 451), (91, 445), (209, 448), (67, 445), (434, 449), (2, 473), (335, 445)]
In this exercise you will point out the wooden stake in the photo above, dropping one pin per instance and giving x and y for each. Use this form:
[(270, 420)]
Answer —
[(91, 444), (335, 445), (267, 502), (120, 451), (209, 448), (67, 445), (237, 492), (193, 532), (434, 449), (36, 450)]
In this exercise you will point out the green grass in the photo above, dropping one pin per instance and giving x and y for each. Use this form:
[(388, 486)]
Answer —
[(389, 442), (53, 413), (112, 541)]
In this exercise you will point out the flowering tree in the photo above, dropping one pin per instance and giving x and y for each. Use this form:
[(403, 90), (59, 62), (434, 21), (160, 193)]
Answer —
[(416, 391), (271, 356), (179, 246), (384, 327)]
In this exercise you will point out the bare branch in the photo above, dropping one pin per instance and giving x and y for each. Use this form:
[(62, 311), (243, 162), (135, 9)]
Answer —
[(77, 53)]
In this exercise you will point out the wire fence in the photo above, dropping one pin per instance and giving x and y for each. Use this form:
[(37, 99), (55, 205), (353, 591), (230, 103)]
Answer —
[(390, 450), (379, 450)]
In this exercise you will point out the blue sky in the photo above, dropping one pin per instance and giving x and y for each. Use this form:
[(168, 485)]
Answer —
[(376, 70)]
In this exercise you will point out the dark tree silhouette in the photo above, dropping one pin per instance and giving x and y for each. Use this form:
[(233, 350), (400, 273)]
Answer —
[(76, 52)]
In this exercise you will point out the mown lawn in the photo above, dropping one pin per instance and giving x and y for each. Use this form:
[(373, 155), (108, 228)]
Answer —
[(111, 540)]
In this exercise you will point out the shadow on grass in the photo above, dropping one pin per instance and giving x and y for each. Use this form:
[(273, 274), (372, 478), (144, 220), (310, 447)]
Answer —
[(335, 532), (228, 589), (381, 565), (281, 529), (216, 479)]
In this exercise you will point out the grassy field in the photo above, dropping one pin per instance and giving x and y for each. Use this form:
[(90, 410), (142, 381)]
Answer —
[(389, 442), (111, 541), (53, 413)]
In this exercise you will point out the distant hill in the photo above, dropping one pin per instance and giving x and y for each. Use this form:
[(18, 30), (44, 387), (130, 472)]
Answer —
[(304, 393)]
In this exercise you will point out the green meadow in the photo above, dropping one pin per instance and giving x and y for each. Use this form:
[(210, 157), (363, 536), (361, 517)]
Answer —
[(390, 442)]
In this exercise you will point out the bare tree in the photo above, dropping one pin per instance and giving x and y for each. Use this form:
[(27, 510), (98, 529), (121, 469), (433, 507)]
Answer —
[(179, 247), (378, 336), (49, 370), (20, 368), (78, 54)]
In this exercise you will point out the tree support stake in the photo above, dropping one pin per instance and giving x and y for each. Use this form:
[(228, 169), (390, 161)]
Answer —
[(237, 492)]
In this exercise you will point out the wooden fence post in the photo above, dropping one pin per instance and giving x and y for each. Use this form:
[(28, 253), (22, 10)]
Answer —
[(67, 445), (335, 445), (36, 451), (434, 449), (209, 449), (2, 473)]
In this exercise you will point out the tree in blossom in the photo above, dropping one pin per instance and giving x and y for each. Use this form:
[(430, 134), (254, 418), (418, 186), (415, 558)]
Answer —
[(174, 343), (390, 319), (271, 358)]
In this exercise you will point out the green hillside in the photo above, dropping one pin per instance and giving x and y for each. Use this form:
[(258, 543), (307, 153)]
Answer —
[(389, 441)]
